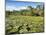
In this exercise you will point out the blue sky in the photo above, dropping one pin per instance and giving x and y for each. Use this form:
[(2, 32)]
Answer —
[(17, 5)]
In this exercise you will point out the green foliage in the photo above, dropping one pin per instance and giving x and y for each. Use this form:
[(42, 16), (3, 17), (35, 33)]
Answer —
[(24, 24), (38, 11)]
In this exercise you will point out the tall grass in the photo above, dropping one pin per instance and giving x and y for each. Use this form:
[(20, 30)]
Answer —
[(24, 24)]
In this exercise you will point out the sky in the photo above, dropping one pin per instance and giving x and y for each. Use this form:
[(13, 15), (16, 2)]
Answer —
[(18, 5)]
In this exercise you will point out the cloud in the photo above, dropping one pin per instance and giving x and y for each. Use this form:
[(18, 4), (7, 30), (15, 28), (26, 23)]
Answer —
[(20, 8), (9, 8), (15, 8)]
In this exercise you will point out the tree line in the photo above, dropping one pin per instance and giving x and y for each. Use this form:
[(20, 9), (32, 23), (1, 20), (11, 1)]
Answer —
[(38, 11)]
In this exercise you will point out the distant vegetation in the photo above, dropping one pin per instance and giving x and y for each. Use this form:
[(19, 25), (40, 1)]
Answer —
[(38, 11)]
